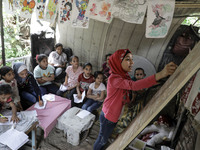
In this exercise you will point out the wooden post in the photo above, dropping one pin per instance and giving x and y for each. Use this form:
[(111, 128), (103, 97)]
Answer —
[(184, 72), (2, 33)]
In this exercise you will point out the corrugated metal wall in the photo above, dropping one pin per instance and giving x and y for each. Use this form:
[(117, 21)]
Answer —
[(92, 44)]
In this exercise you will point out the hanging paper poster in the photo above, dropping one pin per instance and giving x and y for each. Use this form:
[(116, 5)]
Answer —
[(11, 6), (100, 10), (27, 7), (65, 11), (40, 9), (8, 6), (132, 11), (78, 14), (159, 17), (50, 10), (16, 5)]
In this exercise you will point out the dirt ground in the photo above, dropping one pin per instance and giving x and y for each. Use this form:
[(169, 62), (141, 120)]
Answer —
[(57, 141)]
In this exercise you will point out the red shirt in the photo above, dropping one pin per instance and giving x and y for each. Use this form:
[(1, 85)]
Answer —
[(2, 103), (116, 86), (85, 83)]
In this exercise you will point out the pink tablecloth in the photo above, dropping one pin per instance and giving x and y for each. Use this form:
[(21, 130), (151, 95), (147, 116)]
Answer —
[(48, 116)]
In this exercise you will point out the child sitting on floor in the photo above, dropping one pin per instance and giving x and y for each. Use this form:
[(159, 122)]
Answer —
[(138, 74), (44, 75), (105, 68), (5, 97), (95, 94), (58, 59), (71, 78), (8, 77), (84, 80), (27, 85)]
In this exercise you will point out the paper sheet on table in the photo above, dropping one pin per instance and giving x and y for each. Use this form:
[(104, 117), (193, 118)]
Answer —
[(83, 113), (76, 100), (48, 97), (40, 107), (13, 138), (32, 113), (9, 122), (63, 88)]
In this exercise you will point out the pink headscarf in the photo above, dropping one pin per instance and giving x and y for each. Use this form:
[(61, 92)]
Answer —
[(115, 61)]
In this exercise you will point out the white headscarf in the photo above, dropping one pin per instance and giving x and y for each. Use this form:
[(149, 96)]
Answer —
[(21, 68)]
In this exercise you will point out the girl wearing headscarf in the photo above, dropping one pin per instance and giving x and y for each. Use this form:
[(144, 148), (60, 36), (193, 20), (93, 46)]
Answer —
[(27, 85), (118, 90)]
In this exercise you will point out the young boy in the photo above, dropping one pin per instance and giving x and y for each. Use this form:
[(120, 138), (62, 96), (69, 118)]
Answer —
[(58, 59), (139, 74), (5, 97)]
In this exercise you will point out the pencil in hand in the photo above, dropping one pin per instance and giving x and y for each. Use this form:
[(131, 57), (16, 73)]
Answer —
[(3, 118), (40, 102)]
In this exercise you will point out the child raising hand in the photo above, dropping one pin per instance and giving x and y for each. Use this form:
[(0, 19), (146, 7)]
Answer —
[(5, 97)]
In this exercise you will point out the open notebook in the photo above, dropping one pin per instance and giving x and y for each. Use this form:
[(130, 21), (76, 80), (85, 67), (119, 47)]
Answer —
[(13, 139)]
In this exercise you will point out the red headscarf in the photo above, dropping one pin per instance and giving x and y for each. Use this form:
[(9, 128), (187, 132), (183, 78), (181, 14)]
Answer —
[(115, 61)]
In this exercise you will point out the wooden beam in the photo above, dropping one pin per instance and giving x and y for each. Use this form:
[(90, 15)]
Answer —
[(186, 5), (184, 72)]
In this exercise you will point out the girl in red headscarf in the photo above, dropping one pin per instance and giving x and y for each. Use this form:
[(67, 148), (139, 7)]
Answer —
[(118, 87)]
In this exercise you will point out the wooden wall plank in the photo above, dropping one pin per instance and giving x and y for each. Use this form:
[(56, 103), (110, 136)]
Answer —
[(59, 35), (136, 38), (102, 51), (144, 48), (115, 30), (125, 35), (95, 43), (70, 35), (78, 36), (183, 73), (86, 43)]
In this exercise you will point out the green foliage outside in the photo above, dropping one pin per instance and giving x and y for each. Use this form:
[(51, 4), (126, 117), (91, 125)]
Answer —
[(191, 20), (13, 44)]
